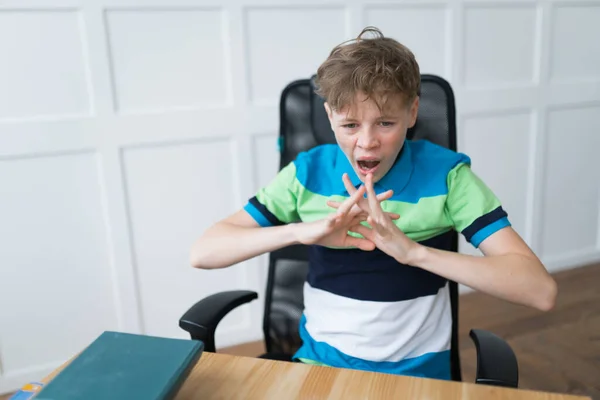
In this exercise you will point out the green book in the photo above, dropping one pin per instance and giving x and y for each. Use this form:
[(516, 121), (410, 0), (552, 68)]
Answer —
[(119, 366)]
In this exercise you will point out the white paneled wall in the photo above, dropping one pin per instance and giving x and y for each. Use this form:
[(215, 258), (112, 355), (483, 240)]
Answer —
[(128, 127)]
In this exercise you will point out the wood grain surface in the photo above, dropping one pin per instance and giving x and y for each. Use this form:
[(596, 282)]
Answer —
[(223, 376)]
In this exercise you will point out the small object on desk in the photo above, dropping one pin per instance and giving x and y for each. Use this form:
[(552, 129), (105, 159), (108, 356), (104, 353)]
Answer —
[(121, 366), (27, 391)]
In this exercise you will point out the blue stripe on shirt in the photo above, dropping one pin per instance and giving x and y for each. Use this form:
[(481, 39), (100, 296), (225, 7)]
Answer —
[(257, 215), (430, 365), (484, 233)]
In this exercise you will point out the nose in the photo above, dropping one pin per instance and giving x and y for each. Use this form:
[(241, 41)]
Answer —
[(367, 138)]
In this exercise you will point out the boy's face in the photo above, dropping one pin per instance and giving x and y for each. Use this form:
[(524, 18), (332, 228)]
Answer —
[(372, 139)]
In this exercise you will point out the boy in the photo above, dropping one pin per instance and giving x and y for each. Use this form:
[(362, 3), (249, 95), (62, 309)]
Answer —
[(371, 207)]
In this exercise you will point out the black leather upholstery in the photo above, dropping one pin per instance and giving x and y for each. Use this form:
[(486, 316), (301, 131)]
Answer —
[(284, 305)]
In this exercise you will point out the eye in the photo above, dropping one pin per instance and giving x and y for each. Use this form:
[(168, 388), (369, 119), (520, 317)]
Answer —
[(349, 126), (386, 124)]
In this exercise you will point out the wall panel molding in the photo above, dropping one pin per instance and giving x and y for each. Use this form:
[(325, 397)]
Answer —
[(178, 102)]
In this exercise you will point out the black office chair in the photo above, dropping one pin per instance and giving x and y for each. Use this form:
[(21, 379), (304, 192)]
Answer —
[(303, 125)]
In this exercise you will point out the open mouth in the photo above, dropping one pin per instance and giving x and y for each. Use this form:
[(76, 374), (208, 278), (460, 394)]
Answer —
[(367, 166)]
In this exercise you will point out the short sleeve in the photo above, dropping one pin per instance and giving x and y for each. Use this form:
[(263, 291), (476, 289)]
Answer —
[(276, 203), (473, 208)]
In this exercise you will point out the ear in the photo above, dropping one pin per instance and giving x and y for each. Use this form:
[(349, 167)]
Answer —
[(413, 112), (328, 110), (329, 113)]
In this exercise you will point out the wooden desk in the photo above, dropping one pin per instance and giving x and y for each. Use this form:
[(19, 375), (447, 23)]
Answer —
[(220, 376)]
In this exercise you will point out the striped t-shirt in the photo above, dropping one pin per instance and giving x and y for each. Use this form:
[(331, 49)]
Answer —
[(363, 309)]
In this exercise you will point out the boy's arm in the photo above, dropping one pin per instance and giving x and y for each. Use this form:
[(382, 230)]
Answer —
[(260, 227), (270, 221), (509, 269), (238, 238)]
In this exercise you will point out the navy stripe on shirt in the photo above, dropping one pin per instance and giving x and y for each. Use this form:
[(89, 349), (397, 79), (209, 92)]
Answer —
[(265, 212), (371, 275)]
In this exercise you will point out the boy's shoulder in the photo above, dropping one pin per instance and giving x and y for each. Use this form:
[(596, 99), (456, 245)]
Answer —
[(323, 155), (317, 169), (431, 169), (318, 160), (432, 157)]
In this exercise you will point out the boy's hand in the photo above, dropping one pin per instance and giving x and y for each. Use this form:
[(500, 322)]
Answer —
[(333, 230), (362, 205), (383, 232)]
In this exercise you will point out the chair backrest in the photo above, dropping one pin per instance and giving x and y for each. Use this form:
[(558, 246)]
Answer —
[(304, 125)]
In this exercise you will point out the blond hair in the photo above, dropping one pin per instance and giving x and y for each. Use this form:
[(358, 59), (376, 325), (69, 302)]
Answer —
[(379, 67)]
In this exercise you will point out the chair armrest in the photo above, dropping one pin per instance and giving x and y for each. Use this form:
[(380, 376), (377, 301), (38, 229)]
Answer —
[(201, 320), (496, 362)]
